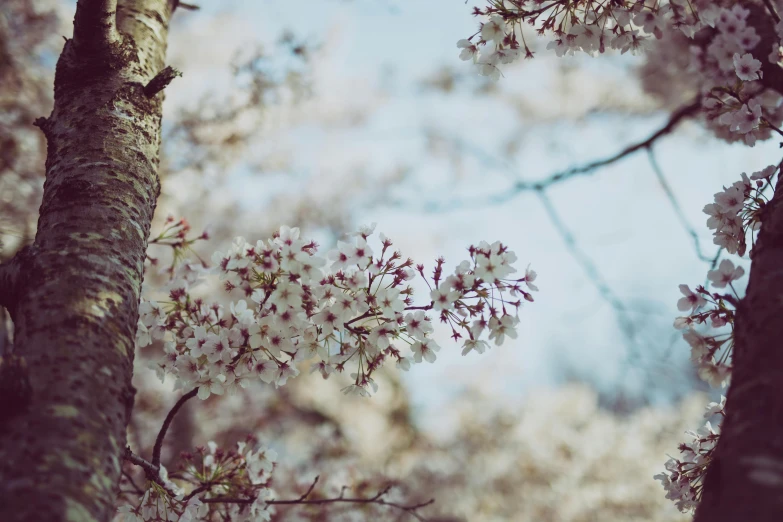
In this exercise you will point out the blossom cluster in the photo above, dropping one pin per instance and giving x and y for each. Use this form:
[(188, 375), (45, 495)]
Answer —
[(588, 26), (719, 39), (205, 484), (352, 309), (737, 210), (736, 104), (683, 479), (724, 65), (157, 505), (711, 353)]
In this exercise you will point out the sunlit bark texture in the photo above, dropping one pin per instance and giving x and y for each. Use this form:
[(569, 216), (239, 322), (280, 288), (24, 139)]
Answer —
[(745, 481), (73, 295)]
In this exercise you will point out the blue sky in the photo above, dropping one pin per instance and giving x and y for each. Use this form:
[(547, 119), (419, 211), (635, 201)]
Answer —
[(374, 57)]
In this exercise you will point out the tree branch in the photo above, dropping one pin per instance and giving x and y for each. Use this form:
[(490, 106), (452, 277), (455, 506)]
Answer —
[(151, 471), (676, 207), (771, 9), (161, 81), (520, 186), (132, 482), (167, 422), (674, 120), (310, 489), (149, 468), (95, 25), (411, 509), (539, 187), (228, 500), (591, 271)]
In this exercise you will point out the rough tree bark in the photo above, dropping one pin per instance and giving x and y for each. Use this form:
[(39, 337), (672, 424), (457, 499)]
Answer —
[(745, 481), (73, 294)]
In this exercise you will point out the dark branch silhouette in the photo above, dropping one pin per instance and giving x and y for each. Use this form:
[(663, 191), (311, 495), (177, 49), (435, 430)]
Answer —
[(676, 207), (167, 422)]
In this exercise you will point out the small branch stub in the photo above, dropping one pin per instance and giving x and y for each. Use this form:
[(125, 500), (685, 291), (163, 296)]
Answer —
[(151, 471), (161, 81), (189, 7), (43, 124)]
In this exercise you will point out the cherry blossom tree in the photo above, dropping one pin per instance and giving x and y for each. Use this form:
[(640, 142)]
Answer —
[(732, 62), (73, 296), (232, 328)]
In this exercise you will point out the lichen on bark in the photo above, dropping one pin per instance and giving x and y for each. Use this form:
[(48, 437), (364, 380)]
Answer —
[(75, 306)]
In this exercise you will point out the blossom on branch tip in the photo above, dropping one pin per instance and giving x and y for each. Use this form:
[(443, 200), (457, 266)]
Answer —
[(765, 173), (469, 50), (747, 67), (425, 350), (488, 66), (691, 301), (494, 29), (474, 345), (417, 325), (500, 328), (698, 343), (717, 375), (714, 408), (725, 274), (443, 297), (530, 276)]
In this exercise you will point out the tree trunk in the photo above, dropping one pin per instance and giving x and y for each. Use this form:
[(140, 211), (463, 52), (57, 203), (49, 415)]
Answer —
[(73, 295), (745, 481)]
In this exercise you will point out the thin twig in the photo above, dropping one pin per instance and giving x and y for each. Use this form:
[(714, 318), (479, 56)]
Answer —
[(674, 120), (520, 186), (626, 324), (148, 467), (771, 9), (676, 205), (302, 500), (375, 499), (151, 470), (592, 272), (167, 422), (713, 265), (202, 488), (136, 487), (228, 500), (311, 488)]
